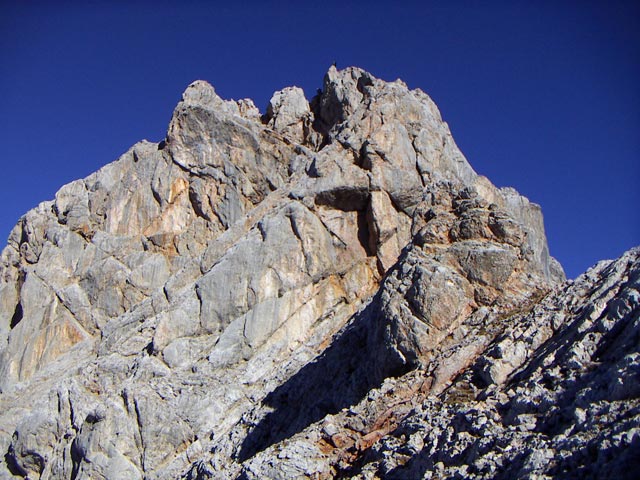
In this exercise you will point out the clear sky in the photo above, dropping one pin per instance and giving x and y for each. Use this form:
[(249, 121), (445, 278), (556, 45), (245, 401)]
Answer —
[(542, 96)]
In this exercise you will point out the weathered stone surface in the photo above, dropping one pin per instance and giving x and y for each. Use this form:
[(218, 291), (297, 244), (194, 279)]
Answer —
[(548, 397), (288, 113), (328, 289)]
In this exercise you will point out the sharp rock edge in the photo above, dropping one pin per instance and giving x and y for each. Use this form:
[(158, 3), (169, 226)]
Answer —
[(327, 290)]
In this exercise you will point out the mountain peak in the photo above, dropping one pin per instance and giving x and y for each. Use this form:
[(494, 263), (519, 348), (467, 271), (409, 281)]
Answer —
[(304, 281)]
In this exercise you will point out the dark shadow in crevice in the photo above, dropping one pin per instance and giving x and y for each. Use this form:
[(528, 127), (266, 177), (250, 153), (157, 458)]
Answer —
[(12, 464), (76, 458), (596, 461), (18, 312), (319, 124), (17, 315), (347, 198), (364, 234), (340, 377)]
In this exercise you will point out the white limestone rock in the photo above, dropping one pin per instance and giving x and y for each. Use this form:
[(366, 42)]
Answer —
[(325, 290)]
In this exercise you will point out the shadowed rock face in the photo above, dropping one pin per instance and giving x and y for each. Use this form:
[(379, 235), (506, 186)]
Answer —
[(273, 296)]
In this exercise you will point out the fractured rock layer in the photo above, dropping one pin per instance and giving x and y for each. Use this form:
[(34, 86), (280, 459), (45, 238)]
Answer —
[(273, 296)]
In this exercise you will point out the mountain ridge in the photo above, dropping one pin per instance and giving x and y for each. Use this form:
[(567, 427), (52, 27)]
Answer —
[(200, 302)]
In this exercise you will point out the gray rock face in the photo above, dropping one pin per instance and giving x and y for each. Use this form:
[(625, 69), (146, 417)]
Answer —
[(275, 296), (554, 396)]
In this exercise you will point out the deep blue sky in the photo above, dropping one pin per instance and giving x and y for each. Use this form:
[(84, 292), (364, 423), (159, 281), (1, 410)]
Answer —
[(544, 97)]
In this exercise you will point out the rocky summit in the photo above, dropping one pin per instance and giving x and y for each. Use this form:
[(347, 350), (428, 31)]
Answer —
[(325, 290)]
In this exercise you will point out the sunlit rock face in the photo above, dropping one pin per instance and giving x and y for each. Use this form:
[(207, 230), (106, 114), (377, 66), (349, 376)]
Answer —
[(275, 296)]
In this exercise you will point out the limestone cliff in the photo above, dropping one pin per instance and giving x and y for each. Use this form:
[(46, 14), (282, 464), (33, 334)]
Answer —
[(278, 296)]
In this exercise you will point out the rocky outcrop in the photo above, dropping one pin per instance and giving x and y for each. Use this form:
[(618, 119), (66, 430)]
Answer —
[(554, 396), (266, 296)]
